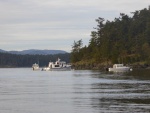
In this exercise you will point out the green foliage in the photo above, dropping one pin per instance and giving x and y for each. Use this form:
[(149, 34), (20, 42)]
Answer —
[(124, 40), (12, 60), (76, 53)]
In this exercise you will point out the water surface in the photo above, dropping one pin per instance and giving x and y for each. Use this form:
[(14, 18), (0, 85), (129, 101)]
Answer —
[(80, 91)]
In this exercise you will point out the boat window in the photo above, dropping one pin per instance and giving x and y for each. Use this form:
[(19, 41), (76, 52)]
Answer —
[(56, 65)]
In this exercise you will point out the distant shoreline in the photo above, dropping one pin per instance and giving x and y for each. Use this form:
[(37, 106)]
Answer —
[(92, 66)]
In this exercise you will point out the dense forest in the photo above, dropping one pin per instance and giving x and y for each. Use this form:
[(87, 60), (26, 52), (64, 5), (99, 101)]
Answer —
[(124, 40), (13, 60)]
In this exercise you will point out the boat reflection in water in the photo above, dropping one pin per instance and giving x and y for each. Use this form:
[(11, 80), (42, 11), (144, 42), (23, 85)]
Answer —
[(57, 66)]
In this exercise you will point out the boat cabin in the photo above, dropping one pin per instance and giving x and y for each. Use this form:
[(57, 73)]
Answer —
[(117, 65)]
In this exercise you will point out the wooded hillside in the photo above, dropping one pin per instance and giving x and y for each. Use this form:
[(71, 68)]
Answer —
[(13, 60), (123, 40)]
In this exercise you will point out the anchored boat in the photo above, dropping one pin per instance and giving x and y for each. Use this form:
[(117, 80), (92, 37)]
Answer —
[(119, 68), (35, 66), (57, 66)]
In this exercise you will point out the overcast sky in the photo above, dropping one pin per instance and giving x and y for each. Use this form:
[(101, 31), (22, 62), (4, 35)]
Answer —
[(55, 24)]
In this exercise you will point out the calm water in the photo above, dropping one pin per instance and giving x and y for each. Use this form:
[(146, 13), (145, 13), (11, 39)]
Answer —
[(25, 91)]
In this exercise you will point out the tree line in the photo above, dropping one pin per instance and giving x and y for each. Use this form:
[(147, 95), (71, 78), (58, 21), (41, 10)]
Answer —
[(13, 60), (124, 40)]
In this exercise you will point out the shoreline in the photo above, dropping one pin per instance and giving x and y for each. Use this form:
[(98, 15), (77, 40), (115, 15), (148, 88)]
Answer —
[(99, 66), (104, 67)]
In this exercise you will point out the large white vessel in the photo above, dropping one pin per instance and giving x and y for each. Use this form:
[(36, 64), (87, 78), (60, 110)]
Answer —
[(119, 68), (35, 66), (57, 66)]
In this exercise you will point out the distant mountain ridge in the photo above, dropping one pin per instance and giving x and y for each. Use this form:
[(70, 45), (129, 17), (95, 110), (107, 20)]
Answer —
[(35, 52)]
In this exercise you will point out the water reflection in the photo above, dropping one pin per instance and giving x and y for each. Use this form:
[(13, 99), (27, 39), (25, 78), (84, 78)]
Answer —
[(140, 74), (126, 92), (121, 105), (78, 91)]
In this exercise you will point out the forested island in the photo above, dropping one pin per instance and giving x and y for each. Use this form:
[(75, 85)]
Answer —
[(124, 40), (14, 60)]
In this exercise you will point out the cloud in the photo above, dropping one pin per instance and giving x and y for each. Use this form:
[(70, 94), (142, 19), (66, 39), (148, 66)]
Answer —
[(43, 24)]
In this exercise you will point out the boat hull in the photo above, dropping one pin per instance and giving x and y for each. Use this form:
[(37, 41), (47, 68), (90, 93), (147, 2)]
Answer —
[(122, 69), (35, 68), (60, 69), (57, 69)]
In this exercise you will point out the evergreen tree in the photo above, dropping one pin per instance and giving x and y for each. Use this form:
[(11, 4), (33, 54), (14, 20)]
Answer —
[(124, 40)]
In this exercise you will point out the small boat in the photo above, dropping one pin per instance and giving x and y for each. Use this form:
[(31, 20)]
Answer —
[(119, 68), (57, 66), (35, 66)]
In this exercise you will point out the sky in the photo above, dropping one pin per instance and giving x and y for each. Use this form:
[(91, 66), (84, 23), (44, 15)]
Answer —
[(56, 24)]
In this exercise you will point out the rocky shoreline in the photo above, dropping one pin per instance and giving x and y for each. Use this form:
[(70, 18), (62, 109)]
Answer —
[(104, 67)]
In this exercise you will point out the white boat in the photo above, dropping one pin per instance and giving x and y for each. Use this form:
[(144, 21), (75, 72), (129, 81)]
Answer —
[(35, 66), (57, 66), (119, 68)]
